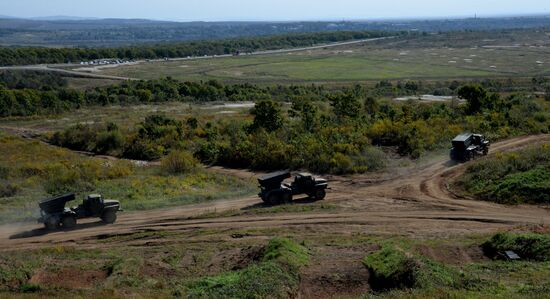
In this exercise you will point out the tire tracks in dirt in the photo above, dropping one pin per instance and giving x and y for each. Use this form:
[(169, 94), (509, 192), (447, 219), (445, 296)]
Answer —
[(418, 204)]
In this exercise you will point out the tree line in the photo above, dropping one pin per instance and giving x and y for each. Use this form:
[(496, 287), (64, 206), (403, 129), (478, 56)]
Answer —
[(29, 93), (351, 134), (33, 55)]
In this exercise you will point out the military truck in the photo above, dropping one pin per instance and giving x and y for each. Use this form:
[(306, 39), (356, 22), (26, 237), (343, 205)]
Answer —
[(468, 146), (274, 191), (54, 214)]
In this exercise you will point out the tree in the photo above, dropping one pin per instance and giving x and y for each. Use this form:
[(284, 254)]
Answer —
[(8, 103), (345, 105), (144, 96), (267, 115), (307, 113), (371, 106), (475, 96)]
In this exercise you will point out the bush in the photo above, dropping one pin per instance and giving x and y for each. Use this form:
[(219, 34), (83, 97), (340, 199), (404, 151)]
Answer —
[(4, 172), (511, 178), (532, 186), (68, 180), (8, 189), (179, 162), (392, 267), (276, 276), (84, 176), (29, 288), (528, 246), (109, 141)]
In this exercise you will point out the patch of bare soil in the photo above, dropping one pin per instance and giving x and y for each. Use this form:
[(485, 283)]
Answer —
[(335, 271), (68, 278)]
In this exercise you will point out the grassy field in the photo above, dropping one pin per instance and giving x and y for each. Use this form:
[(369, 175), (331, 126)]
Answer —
[(196, 264), (30, 171), (128, 116), (460, 55)]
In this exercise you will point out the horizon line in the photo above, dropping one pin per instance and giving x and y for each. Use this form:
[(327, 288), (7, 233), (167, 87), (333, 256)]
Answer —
[(328, 19)]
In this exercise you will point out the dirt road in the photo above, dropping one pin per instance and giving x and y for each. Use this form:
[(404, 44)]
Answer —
[(48, 68), (417, 203)]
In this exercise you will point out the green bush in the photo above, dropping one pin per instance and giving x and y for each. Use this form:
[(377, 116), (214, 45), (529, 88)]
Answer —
[(391, 268), (29, 288), (532, 186), (68, 180), (275, 276), (108, 142), (286, 251), (179, 162), (4, 172), (83, 176), (511, 178), (528, 246), (8, 189)]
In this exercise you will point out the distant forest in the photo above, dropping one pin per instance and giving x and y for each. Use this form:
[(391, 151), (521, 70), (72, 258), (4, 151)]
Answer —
[(119, 32), (33, 55)]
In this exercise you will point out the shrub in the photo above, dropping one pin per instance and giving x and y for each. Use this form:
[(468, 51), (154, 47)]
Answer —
[(511, 178), (286, 251), (179, 162), (29, 288), (4, 172), (532, 186), (528, 246), (68, 180), (276, 276), (109, 141), (392, 267), (8, 189)]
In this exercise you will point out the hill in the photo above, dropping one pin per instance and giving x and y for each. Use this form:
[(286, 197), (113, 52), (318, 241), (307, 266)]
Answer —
[(61, 31)]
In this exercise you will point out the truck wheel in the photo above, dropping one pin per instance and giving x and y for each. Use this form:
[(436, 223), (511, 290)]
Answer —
[(109, 217), (273, 199), (320, 194), (68, 222), (51, 224), (485, 151), (287, 198)]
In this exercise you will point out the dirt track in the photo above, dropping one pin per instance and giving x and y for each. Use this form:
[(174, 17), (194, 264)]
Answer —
[(417, 203)]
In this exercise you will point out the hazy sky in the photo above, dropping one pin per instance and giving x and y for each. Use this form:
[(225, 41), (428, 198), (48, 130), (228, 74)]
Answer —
[(212, 10)]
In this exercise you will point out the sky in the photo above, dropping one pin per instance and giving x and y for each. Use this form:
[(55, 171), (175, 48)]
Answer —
[(271, 10)]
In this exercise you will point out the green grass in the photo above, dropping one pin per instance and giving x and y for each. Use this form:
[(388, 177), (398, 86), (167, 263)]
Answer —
[(392, 267), (275, 276), (297, 68), (31, 171), (511, 178), (447, 56), (395, 264), (125, 116), (528, 246), (208, 264)]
